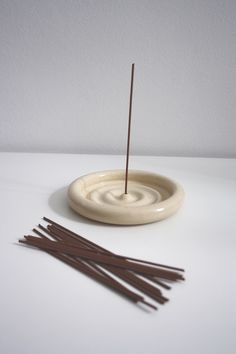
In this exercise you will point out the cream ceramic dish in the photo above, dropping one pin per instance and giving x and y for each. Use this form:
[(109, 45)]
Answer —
[(100, 196)]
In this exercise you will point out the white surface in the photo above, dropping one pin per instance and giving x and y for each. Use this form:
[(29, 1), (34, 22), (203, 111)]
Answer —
[(47, 307), (66, 64)]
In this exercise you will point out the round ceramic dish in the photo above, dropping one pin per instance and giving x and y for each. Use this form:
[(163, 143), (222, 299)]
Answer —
[(100, 196)]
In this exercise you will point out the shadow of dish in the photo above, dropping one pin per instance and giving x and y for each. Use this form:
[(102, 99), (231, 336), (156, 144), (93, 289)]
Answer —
[(58, 203)]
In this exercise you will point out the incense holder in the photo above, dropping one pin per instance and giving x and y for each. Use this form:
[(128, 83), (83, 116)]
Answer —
[(100, 196)]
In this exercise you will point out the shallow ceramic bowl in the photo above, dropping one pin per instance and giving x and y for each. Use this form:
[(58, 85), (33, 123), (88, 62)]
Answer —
[(100, 196)]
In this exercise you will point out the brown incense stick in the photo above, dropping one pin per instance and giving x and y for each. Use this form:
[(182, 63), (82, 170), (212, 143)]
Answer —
[(129, 130), (128, 278), (74, 240), (71, 237), (73, 250), (90, 243), (103, 265), (106, 280), (56, 232), (76, 243), (58, 238), (124, 274)]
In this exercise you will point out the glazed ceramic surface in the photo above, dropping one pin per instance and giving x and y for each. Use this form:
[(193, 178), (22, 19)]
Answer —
[(100, 196)]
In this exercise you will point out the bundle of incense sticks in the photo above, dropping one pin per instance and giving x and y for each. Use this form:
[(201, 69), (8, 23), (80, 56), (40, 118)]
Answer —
[(102, 265)]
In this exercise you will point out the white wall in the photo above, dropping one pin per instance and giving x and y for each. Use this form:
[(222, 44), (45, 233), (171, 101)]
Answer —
[(65, 72)]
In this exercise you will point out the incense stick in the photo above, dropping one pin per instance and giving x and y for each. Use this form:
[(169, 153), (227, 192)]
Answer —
[(76, 243), (88, 242), (108, 281), (73, 250), (73, 237), (129, 130), (103, 265), (124, 274)]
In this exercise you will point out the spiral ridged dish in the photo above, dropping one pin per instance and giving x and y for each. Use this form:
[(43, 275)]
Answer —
[(100, 196)]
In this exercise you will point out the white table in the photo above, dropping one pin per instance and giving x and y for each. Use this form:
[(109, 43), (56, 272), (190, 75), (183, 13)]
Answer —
[(48, 307)]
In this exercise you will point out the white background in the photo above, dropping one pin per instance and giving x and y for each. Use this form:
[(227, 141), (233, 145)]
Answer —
[(47, 307), (65, 73)]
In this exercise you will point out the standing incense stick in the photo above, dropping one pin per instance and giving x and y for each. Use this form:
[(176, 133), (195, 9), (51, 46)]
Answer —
[(105, 196), (129, 130)]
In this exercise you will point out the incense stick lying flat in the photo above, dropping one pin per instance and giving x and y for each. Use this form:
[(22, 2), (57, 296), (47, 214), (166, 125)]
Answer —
[(123, 274), (90, 243), (105, 279), (100, 258), (130, 278), (75, 237), (75, 244), (102, 265), (70, 236)]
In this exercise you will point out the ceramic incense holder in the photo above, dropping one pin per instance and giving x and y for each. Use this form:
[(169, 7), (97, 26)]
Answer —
[(100, 196), (125, 197)]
